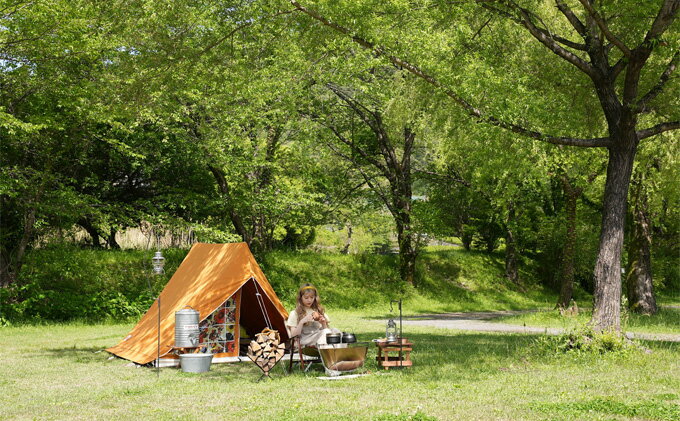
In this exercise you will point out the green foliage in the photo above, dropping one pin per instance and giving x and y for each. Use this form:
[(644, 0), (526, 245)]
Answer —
[(551, 235), (585, 341), (63, 282)]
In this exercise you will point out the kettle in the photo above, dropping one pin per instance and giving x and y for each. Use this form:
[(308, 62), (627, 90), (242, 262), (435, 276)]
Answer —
[(348, 338)]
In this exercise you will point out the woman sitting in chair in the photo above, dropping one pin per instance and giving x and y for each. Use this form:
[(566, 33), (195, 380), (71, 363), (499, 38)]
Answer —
[(309, 320)]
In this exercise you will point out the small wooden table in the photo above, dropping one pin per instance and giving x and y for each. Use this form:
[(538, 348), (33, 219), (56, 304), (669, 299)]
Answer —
[(394, 354)]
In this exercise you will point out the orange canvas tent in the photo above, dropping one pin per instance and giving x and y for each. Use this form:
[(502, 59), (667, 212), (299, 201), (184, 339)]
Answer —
[(224, 283)]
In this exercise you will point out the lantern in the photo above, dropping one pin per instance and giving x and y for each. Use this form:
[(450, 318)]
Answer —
[(391, 331), (158, 262)]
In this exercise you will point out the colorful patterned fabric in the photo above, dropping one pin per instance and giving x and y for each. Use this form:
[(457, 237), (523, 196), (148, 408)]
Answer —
[(218, 330)]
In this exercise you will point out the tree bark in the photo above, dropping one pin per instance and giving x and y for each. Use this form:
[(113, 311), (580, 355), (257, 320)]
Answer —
[(236, 220), (402, 216), (262, 237), (607, 273), (348, 240), (571, 195), (10, 266), (91, 230), (511, 266), (640, 288), (5, 273), (112, 239)]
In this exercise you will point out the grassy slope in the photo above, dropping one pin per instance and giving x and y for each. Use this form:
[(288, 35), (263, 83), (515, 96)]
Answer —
[(448, 280)]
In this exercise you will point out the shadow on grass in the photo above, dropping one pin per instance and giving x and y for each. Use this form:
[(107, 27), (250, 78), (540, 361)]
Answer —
[(80, 355), (460, 352), (436, 357)]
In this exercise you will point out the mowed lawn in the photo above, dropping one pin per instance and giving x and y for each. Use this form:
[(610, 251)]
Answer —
[(61, 372)]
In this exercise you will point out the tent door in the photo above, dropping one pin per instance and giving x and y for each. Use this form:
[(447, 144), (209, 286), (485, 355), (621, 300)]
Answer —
[(219, 332)]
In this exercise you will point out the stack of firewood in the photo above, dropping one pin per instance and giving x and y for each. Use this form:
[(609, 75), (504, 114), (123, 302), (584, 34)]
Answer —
[(266, 350)]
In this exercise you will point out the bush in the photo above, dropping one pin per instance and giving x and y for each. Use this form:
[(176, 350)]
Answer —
[(585, 341), (64, 282)]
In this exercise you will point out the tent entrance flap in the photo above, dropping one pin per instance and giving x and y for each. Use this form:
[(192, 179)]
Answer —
[(219, 331)]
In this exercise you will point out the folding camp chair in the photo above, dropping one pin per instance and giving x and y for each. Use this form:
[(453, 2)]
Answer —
[(307, 355)]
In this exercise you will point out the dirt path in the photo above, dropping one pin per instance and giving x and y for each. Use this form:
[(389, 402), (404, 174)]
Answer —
[(479, 322)]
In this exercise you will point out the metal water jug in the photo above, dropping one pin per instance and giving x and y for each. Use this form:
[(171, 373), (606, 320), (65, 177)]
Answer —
[(186, 328)]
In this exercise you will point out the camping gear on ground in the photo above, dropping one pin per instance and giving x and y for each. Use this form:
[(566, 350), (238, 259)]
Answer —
[(333, 338), (195, 363), (348, 338), (220, 281), (394, 354), (186, 328), (343, 358), (394, 350), (266, 350)]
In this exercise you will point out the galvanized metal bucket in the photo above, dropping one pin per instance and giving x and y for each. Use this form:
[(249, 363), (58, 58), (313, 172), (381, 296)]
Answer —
[(186, 328), (195, 363)]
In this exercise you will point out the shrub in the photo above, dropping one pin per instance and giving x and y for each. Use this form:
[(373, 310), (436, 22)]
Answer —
[(64, 282), (584, 340)]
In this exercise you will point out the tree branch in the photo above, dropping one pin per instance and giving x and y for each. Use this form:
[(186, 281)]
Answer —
[(240, 27), (359, 108), (618, 67), (656, 90), (659, 128), (604, 28), (571, 17), (354, 148), (663, 19), (544, 38), (453, 178), (376, 125), (471, 110)]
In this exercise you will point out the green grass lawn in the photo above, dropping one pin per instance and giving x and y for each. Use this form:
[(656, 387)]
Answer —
[(667, 320), (59, 372)]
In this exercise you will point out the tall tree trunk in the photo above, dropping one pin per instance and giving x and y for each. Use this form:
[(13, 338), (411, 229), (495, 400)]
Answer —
[(348, 240), (511, 269), (640, 288), (571, 195), (402, 198), (112, 239), (262, 237), (236, 220), (5, 272), (407, 252), (466, 238), (10, 266), (91, 230), (397, 172), (607, 273)]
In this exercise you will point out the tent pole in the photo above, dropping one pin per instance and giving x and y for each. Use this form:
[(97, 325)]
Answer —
[(158, 341)]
